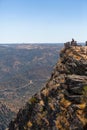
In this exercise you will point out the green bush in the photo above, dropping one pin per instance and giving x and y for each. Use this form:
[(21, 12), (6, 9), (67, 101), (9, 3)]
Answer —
[(33, 100), (85, 88)]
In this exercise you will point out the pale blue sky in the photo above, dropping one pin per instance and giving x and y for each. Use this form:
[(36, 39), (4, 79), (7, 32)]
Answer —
[(33, 21)]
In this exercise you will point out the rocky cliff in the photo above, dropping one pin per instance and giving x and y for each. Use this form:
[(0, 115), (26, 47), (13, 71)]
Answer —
[(62, 103), (5, 116)]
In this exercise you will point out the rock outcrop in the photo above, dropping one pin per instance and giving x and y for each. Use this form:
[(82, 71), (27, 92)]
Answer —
[(62, 104), (5, 116)]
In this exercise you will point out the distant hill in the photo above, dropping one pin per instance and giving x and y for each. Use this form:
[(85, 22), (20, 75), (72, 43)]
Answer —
[(24, 69)]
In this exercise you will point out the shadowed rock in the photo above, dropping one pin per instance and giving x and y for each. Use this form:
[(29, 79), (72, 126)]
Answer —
[(62, 103)]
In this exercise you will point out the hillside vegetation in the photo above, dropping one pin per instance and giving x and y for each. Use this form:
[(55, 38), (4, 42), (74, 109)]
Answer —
[(24, 69), (62, 103)]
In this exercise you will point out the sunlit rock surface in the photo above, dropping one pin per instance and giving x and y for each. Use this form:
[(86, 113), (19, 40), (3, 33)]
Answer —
[(62, 103)]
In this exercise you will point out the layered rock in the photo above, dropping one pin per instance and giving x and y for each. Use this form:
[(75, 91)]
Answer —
[(62, 104)]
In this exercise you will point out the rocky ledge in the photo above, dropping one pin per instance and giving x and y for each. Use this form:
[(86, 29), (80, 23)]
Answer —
[(62, 103)]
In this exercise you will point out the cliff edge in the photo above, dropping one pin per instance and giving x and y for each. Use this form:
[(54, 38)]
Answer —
[(62, 103)]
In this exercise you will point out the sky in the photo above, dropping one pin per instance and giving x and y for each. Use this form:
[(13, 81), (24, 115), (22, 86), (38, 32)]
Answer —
[(43, 21)]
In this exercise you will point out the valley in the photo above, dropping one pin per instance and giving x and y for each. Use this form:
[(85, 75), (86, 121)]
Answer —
[(24, 70)]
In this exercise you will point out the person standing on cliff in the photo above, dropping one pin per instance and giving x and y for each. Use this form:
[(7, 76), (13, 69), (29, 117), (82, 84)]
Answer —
[(73, 42)]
